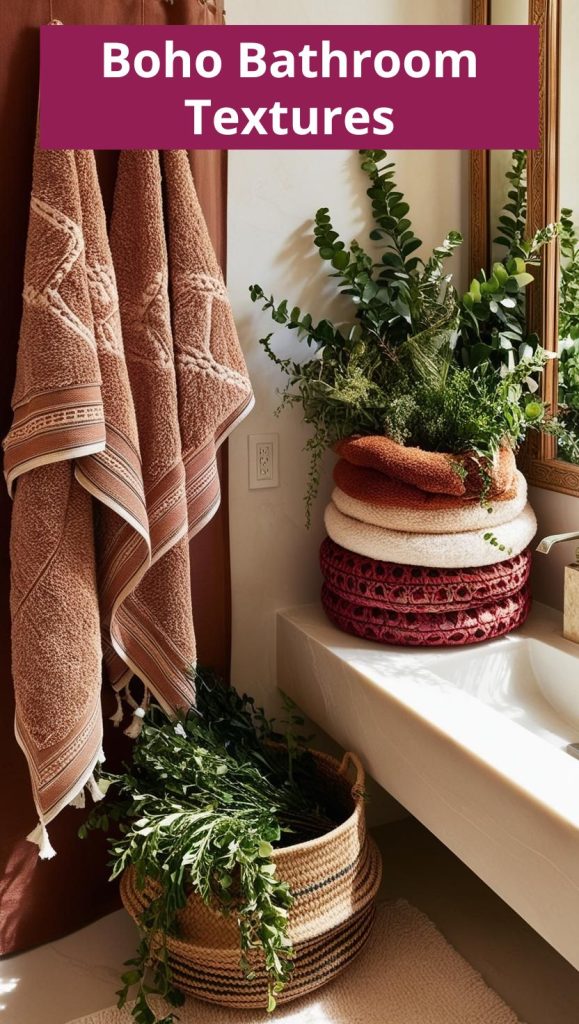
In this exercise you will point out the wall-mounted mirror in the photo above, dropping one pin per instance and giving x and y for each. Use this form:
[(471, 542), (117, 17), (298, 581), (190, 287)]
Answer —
[(552, 178), (568, 383)]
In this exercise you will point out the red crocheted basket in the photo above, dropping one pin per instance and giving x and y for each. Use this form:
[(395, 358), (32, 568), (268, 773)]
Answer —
[(427, 629), (367, 581)]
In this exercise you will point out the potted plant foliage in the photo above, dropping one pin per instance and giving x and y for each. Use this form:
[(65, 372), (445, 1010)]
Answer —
[(418, 362), (243, 857), (569, 330)]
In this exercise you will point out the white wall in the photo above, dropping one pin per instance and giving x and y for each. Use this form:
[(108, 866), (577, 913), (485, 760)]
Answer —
[(272, 197), (556, 513)]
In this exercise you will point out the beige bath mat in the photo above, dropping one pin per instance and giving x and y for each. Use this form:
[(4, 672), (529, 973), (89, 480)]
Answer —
[(408, 974)]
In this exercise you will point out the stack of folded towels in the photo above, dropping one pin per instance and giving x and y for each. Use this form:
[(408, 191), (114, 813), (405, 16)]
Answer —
[(414, 556)]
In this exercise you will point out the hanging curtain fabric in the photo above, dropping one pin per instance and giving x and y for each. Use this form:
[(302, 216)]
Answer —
[(71, 889)]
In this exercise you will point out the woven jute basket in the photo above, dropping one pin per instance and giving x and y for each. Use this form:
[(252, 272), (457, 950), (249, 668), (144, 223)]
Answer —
[(334, 880)]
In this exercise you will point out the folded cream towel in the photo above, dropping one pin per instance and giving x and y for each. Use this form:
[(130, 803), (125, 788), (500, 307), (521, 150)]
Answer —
[(444, 551), (471, 516)]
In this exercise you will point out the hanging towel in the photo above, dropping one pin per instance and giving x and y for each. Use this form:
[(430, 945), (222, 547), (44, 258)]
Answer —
[(386, 492), (82, 566), (470, 516), (59, 416), (113, 476), (213, 385), (156, 621), (435, 472), (445, 550)]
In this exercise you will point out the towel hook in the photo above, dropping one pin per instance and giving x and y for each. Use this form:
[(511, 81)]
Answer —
[(52, 19)]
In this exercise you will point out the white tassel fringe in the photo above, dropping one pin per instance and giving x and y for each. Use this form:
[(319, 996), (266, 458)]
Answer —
[(40, 837), (117, 718), (79, 801), (94, 789), (134, 729)]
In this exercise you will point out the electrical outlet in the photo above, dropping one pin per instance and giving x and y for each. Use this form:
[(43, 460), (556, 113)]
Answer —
[(263, 460)]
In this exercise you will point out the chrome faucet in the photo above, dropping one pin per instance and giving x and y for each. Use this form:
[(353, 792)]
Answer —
[(547, 543), (571, 588)]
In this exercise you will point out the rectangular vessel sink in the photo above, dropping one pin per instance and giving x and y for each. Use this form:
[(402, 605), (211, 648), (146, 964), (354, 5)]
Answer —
[(473, 741), (534, 682)]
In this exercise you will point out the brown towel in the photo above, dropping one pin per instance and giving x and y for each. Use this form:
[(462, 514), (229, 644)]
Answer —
[(434, 472), (156, 620), (113, 476), (58, 416), (214, 388), (84, 409), (385, 492)]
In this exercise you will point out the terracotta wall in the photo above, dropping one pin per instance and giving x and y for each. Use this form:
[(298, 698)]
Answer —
[(39, 901)]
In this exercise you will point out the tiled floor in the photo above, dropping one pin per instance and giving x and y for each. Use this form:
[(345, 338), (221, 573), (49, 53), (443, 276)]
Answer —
[(79, 974)]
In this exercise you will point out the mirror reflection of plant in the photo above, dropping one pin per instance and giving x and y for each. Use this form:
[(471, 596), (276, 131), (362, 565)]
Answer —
[(569, 281), (200, 809), (416, 361), (493, 321), (569, 330)]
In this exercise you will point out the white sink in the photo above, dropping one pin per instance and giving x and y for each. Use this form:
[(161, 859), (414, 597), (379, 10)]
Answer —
[(532, 681), (473, 741), (557, 673)]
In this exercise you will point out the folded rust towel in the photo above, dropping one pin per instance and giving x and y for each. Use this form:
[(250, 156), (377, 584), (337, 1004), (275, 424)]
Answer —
[(212, 381), (385, 491), (435, 472), (468, 515)]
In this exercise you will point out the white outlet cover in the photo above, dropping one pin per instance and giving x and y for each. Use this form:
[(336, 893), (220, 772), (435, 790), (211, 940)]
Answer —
[(263, 448)]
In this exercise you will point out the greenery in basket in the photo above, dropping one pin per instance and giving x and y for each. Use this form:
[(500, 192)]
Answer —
[(201, 808), (416, 361)]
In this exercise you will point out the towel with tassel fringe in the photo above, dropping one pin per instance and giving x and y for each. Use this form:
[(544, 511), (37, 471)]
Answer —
[(89, 518)]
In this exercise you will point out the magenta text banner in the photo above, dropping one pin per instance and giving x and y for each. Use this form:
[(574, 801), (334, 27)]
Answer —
[(289, 87)]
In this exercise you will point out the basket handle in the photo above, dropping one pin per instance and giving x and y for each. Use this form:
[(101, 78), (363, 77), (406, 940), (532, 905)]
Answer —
[(349, 761)]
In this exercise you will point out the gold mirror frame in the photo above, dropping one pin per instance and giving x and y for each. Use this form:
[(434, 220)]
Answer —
[(538, 459)]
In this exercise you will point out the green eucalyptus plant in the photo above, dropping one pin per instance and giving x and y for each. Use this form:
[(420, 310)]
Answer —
[(569, 283), (416, 361), (569, 329), (201, 808), (493, 313)]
